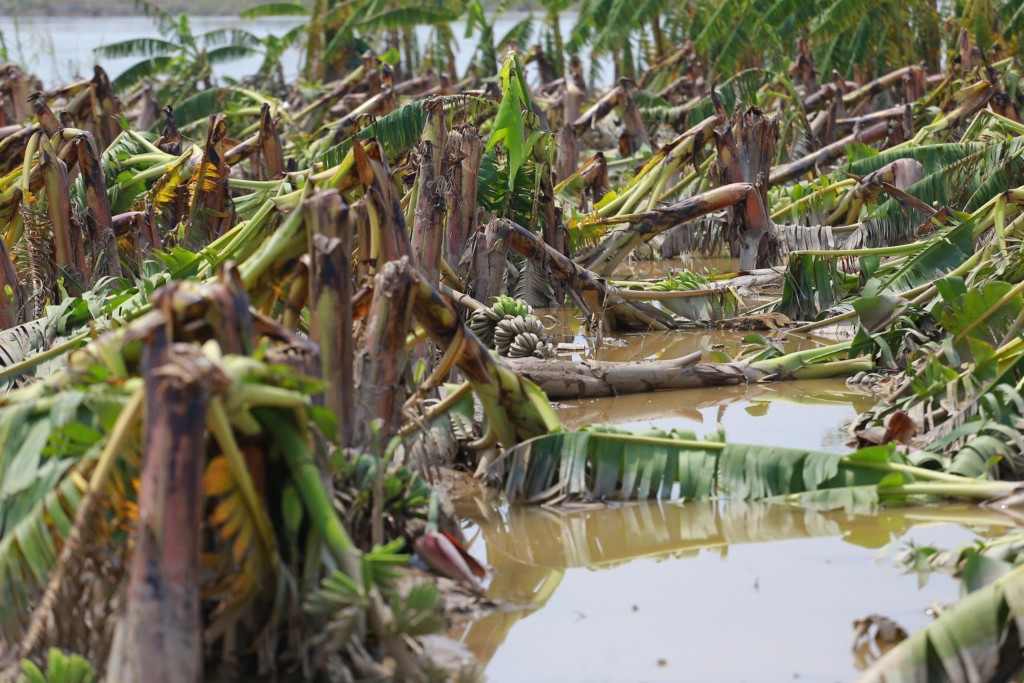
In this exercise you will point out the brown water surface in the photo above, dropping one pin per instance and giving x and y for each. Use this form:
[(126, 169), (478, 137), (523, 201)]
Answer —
[(698, 592), (657, 268)]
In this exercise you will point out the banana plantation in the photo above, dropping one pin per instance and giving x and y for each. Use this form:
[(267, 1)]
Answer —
[(260, 335)]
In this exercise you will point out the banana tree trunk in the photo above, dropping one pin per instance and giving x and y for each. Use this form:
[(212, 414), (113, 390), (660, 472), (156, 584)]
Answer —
[(67, 242), (13, 146), (384, 207), (564, 379), (109, 125), (617, 246), (804, 66), (10, 289), (170, 137), (208, 211), (900, 174), (18, 87), (47, 119), (428, 220), (515, 408), (99, 222), (602, 298), (159, 639), (882, 83), (451, 191), (635, 133), (746, 149), (599, 109), (567, 152), (462, 163), (331, 310), (271, 164), (472, 150), (490, 252), (382, 358), (143, 223)]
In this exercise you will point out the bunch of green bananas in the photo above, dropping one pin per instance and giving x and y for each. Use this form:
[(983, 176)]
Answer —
[(507, 305), (484, 321), (522, 336), (682, 280), (530, 344), (510, 327)]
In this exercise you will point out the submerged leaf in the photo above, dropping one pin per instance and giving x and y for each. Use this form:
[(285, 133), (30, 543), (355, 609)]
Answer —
[(603, 463)]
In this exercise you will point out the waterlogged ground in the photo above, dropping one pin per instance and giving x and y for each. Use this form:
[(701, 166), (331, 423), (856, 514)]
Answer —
[(807, 414), (704, 592), (745, 592)]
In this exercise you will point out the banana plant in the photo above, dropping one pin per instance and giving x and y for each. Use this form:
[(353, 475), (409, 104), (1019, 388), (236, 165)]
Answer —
[(90, 417), (606, 463), (181, 56)]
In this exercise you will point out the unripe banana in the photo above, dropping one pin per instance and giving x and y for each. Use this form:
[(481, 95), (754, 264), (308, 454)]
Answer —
[(530, 332), (523, 345), (683, 280), (482, 326)]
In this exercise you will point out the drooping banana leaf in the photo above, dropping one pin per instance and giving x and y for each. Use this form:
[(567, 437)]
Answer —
[(38, 496), (403, 17), (965, 174), (399, 131), (605, 463), (943, 253), (19, 343), (274, 9), (518, 202), (981, 315), (813, 284), (195, 111), (977, 639)]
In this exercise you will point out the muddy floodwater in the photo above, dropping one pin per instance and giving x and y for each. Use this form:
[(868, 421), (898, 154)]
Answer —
[(709, 592), (698, 592)]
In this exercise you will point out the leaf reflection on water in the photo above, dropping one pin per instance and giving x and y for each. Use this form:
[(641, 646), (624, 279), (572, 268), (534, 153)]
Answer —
[(530, 549)]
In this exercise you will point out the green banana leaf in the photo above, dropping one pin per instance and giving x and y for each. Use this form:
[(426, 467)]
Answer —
[(605, 463), (977, 639)]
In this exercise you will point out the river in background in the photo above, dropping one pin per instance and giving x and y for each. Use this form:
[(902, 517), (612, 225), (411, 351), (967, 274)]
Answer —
[(59, 49)]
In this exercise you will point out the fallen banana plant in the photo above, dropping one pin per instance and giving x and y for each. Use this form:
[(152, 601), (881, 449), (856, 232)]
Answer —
[(562, 379), (605, 463)]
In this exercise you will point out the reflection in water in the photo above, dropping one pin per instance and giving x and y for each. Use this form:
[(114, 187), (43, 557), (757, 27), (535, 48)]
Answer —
[(659, 268), (806, 414), (874, 635), (676, 344), (566, 325), (534, 552), (756, 399)]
